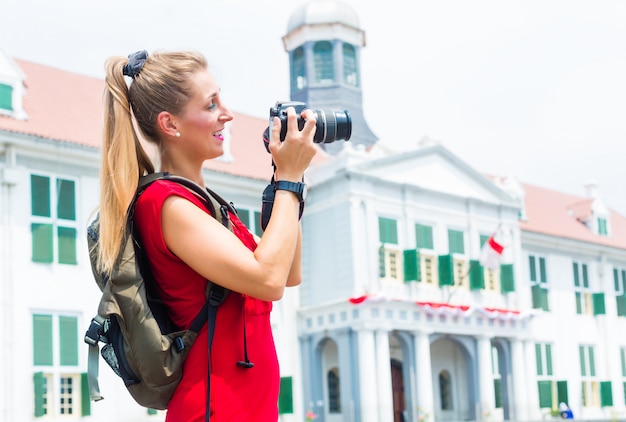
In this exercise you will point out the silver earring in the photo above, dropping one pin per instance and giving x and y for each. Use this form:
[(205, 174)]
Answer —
[(178, 134)]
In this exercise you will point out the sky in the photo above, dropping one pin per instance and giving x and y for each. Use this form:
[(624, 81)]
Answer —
[(534, 89)]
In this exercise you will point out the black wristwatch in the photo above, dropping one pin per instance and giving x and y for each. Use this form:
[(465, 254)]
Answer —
[(298, 188)]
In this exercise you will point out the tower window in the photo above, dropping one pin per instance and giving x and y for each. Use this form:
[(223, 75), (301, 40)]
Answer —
[(298, 79), (350, 75), (323, 60)]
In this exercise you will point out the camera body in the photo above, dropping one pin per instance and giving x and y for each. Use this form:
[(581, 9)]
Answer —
[(330, 126)]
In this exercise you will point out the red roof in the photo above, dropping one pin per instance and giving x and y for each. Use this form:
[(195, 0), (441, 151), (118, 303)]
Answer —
[(559, 214)]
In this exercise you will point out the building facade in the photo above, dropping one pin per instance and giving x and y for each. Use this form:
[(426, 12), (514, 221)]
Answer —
[(398, 318)]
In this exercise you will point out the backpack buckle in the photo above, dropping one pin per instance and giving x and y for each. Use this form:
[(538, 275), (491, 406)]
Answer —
[(95, 331)]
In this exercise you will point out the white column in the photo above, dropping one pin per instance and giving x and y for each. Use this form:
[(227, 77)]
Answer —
[(534, 412), (519, 395), (383, 371), (367, 376), (485, 376), (424, 375)]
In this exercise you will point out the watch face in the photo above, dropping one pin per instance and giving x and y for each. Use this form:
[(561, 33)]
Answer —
[(304, 191)]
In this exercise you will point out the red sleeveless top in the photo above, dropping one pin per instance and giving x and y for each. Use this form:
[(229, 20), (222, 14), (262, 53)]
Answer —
[(237, 394)]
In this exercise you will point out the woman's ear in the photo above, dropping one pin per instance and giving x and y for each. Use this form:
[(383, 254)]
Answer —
[(167, 124)]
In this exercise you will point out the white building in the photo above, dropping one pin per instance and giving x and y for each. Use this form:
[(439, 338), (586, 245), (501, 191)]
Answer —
[(396, 318)]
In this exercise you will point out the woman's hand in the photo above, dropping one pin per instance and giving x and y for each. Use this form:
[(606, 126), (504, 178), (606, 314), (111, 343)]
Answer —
[(293, 155)]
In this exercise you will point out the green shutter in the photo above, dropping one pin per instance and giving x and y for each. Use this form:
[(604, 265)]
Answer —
[(68, 331), (592, 362), (539, 359), (616, 279), (576, 276), (623, 359), (39, 384), (548, 359), (42, 243), (388, 230), (40, 195), (85, 399), (285, 398), (66, 200), (598, 304), (545, 394), (497, 390), (532, 268), (476, 275), (507, 278), (382, 269), (244, 216), (581, 356), (585, 276), (455, 241), (258, 229), (67, 245), (446, 270), (540, 297), (42, 340), (152, 412), (6, 97), (411, 265), (621, 305), (424, 236), (579, 302), (561, 392), (606, 394)]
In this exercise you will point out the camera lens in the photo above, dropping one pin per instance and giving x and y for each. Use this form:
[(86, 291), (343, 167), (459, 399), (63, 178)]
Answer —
[(332, 125)]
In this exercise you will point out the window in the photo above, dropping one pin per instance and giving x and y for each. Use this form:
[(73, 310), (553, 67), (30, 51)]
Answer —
[(424, 236), (285, 397), (622, 353), (445, 390), (590, 386), (254, 224), (53, 214), (428, 269), (551, 391), (456, 242), (538, 282), (298, 71), (619, 280), (584, 304), (334, 397), (389, 255), (602, 227), (453, 271), (6, 97), (323, 63), (350, 74), (497, 376), (59, 389)]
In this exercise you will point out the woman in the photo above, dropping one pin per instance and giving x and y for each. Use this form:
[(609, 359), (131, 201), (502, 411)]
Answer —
[(174, 101)]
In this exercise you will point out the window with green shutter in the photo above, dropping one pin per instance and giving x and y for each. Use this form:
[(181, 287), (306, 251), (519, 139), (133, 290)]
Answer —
[(602, 227), (285, 398), (53, 226), (85, 398), (540, 297), (6, 97), (388, 230), (561, 392), (424, 236), (537, 269), (456, 243), (40, 383), (598, 304)]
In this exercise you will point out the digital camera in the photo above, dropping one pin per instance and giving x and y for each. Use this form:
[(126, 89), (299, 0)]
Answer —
[(330, 125)]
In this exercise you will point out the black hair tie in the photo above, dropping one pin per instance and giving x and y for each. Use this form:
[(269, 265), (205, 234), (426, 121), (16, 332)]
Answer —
[(135, 63)]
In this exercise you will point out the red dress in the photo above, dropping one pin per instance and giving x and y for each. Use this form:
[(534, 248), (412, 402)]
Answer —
[(237, 394)]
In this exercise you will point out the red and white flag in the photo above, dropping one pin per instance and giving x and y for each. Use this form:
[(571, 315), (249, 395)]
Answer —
[(491, 253)]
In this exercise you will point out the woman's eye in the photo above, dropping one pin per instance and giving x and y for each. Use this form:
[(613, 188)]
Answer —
[(212, 106)]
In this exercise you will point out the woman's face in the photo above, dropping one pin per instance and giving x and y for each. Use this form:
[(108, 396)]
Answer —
[(203, 119)]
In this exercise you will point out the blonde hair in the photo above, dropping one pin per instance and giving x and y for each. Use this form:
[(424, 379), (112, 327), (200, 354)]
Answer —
[(161, 85)]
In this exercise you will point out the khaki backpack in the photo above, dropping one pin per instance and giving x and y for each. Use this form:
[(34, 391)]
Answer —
[(140, 343)]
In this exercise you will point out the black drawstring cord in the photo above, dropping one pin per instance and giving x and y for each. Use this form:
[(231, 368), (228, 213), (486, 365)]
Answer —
[(246, 362)]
